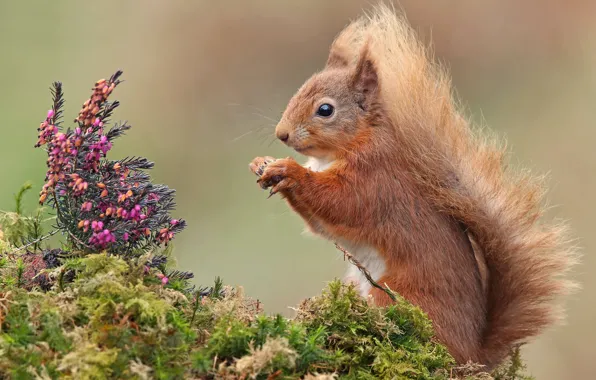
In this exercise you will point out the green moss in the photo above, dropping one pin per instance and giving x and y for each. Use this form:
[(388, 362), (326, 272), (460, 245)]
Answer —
[(114, 321)]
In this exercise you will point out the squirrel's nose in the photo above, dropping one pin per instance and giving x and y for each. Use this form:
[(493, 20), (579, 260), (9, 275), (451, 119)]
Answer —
[(283, 136)]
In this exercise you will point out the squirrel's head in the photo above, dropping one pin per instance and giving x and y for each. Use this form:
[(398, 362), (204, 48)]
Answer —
[(332, 108)]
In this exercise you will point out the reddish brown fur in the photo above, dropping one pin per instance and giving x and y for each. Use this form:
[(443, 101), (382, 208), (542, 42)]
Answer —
[(459, 234)]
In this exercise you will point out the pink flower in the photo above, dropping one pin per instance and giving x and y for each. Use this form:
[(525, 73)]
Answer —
[(164, 235), (97, 226), (101, 239), (86, 206), (164, 279), (50, 114)]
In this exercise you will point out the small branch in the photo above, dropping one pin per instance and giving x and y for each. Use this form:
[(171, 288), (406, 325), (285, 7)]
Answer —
[(57, 206), (365, 272), (35, 241), (61, 279), (195, 307), (78, 240)]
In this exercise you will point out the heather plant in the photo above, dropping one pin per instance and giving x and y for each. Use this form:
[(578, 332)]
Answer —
[(100, 203), (110, 304)]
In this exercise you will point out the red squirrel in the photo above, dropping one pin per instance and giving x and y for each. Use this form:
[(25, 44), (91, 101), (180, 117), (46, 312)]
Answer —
[(399, 178)]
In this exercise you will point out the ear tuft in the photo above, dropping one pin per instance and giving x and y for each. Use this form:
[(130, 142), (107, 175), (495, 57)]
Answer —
[(336, 59), (365, 80)]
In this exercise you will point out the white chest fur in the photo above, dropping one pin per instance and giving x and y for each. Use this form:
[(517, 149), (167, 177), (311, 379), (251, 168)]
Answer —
[(318, 164)]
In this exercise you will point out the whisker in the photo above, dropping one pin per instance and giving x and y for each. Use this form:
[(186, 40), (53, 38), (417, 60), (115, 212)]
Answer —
[(259, 112), (263, 130), (272, 141), (264, 138), (241, 136), (265, 117)]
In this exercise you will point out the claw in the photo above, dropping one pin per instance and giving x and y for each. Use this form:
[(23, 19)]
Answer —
[(265, 184)]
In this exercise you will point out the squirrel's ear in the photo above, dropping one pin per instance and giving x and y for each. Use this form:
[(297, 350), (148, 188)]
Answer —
[(365, 80), (336, 59)]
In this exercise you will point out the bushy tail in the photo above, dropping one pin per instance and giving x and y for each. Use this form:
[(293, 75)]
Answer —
[(502, 208), (466, 175)]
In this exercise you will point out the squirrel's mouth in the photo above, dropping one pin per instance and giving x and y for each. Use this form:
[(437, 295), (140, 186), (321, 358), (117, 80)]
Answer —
[(302, 149)]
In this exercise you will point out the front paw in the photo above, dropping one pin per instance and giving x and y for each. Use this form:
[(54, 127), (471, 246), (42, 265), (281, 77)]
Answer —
[(259, 164), (280, 175)]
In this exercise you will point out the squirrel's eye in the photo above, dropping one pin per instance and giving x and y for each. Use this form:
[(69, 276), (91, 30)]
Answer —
[(325, 110)]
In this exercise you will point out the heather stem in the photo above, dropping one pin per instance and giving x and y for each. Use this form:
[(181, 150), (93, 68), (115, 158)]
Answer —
[(36, 241), (57, 206)]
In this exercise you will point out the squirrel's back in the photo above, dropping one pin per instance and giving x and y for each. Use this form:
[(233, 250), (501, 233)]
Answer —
[(465, 175)]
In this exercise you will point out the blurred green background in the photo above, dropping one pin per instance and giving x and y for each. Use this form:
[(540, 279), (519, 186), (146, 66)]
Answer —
[(206, 81)]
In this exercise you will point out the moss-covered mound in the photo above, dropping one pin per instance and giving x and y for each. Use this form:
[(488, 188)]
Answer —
[(117, 319)]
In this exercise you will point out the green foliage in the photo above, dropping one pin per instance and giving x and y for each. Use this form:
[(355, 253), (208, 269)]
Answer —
[(114, 321), (512, 369), (19, 197), (18, 229)]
